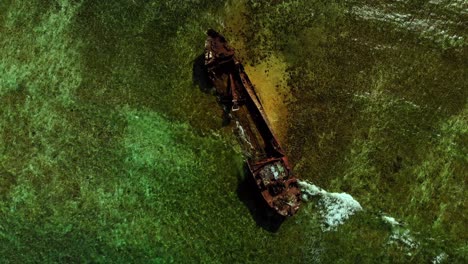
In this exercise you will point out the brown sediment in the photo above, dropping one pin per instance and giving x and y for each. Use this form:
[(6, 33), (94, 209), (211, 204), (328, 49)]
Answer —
[(269, 76), (269, 79)]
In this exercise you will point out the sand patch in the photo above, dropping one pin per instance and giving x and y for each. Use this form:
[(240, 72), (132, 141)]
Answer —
[(269, 79)]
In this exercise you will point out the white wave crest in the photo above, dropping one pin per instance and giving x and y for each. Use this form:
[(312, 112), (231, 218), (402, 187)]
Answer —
[(335, 208)]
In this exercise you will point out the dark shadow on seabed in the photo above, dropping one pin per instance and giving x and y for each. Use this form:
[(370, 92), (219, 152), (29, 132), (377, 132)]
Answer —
[(200, 75), (264, 216), (200, 78)]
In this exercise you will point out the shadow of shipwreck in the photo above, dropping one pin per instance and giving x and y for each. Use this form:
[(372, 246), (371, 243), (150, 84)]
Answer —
[(247, 192), (264, 216), (200, 75), (200, 78)]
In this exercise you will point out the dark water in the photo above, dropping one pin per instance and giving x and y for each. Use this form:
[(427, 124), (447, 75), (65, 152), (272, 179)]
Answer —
[(111, 152)]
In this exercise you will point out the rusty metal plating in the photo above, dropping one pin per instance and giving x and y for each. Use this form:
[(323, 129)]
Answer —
[(265, 158)]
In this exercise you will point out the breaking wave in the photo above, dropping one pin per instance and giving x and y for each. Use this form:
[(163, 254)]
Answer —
[(335, 208)]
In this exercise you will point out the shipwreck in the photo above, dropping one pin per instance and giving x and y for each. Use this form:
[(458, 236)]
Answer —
[(266, 158)]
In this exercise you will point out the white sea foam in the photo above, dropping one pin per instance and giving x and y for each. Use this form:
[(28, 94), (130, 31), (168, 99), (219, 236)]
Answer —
[(400, 234), (335, 208), (243, 135), (433, 29), (390, 220), (404, 237), (441, 258)]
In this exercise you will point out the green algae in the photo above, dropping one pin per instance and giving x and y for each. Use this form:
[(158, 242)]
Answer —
[(111, 154), (373, 99)]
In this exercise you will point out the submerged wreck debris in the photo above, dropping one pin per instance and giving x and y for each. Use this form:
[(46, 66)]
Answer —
[(265, 158)]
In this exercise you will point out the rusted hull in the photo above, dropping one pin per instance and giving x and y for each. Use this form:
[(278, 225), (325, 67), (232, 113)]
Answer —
[(266, 159)]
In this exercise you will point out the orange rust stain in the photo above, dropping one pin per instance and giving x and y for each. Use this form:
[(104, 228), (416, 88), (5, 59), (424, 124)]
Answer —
[(269, 79)]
